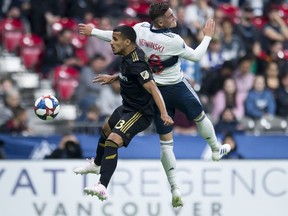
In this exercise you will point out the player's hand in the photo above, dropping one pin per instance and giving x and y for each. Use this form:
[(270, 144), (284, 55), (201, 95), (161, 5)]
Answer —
[(85, 29), (209, 28), (104, 79), (167, 120)]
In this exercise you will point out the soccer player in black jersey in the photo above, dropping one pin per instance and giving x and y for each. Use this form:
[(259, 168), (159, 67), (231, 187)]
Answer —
[(139, 93)]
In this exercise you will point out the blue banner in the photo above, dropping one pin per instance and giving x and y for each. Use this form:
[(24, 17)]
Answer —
[(147, 146)]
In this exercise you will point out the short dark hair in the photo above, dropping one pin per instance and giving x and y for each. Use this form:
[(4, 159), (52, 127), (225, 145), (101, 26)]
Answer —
[(158, 9), (127, 32)]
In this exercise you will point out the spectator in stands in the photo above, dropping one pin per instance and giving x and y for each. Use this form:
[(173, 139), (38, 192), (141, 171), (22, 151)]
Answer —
[(2, 154), (260, 101), (183, 29), (6, 84), (282, 97), (90, 123), (175, 5), (182, 125), (228, 97), (77, 10), (275, 29), (271, 75), (18, 124), (42, 14), (214, 82), (234, 154), (246, 30), (218, 18), (87, 92), (213, 59), (96, 46), (228, 123), (109, 99), (68, 148), (232, 45), (60, 52), (275, 53), (243, 75), (11, 101), (197, 13), (11, 9), (112, 8)]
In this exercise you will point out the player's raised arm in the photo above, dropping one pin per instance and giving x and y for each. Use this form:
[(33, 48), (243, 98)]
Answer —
[(154, 91), (198, 53), (88, 30)]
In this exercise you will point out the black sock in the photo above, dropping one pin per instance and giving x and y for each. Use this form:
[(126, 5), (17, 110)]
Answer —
[(109, 162), (100, 148)]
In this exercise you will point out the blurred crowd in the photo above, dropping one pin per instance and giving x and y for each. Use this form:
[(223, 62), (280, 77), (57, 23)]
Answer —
[(242, 80)]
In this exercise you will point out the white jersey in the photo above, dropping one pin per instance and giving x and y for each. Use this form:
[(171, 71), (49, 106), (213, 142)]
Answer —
[(162, 46)]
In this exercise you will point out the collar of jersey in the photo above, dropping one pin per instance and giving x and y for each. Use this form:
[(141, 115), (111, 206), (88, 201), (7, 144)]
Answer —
[(166, 30)]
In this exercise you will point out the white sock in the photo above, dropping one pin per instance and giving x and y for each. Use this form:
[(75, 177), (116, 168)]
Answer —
[(168, 161), (206, 130)]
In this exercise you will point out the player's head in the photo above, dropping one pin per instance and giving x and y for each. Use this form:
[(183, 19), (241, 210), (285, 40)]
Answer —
[(123, 40), (162, 15)]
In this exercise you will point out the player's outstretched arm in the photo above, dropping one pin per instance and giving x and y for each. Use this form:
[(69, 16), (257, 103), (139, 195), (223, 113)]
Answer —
[(104, 79), (154, 91), (199, 52), (209, 28), (88, 30)]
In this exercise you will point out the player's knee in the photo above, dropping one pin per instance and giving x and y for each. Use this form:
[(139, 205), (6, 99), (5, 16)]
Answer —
[(111, 143), (106, 130), (200, 117), (166, 137)]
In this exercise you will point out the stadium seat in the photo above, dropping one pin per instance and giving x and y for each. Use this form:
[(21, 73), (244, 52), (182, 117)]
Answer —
[(94, 22), (68, 112), (283, 10), (66, 88), (230, 11), (26, 80), (129, 21), (65, 81), (79, 42), (64, 23), (247, 124), (31, 50), (141, 9), (259, 21), (11, 30), (272, 124)]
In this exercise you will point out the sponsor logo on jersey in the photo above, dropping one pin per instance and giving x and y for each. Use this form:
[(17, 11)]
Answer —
[(124, 78), (145, 75)]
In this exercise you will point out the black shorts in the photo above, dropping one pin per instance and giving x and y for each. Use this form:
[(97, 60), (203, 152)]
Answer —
[(128, 123)]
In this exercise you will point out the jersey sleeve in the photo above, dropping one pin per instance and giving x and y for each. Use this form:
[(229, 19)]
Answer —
[(142, 71), (105, 35), (181, 49)]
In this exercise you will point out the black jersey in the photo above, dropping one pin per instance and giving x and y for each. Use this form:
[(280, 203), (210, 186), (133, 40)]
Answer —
[(134, 73)]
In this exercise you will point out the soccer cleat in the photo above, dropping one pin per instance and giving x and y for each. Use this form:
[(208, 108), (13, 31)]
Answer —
[(223, 150), (90, 168), (176, 198), (98, 190)]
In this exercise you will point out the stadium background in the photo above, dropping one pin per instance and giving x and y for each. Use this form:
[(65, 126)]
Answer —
[(256, 184)]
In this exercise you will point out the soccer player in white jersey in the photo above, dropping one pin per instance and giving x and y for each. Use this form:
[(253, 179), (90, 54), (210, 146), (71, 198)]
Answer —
[(164, 50)]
